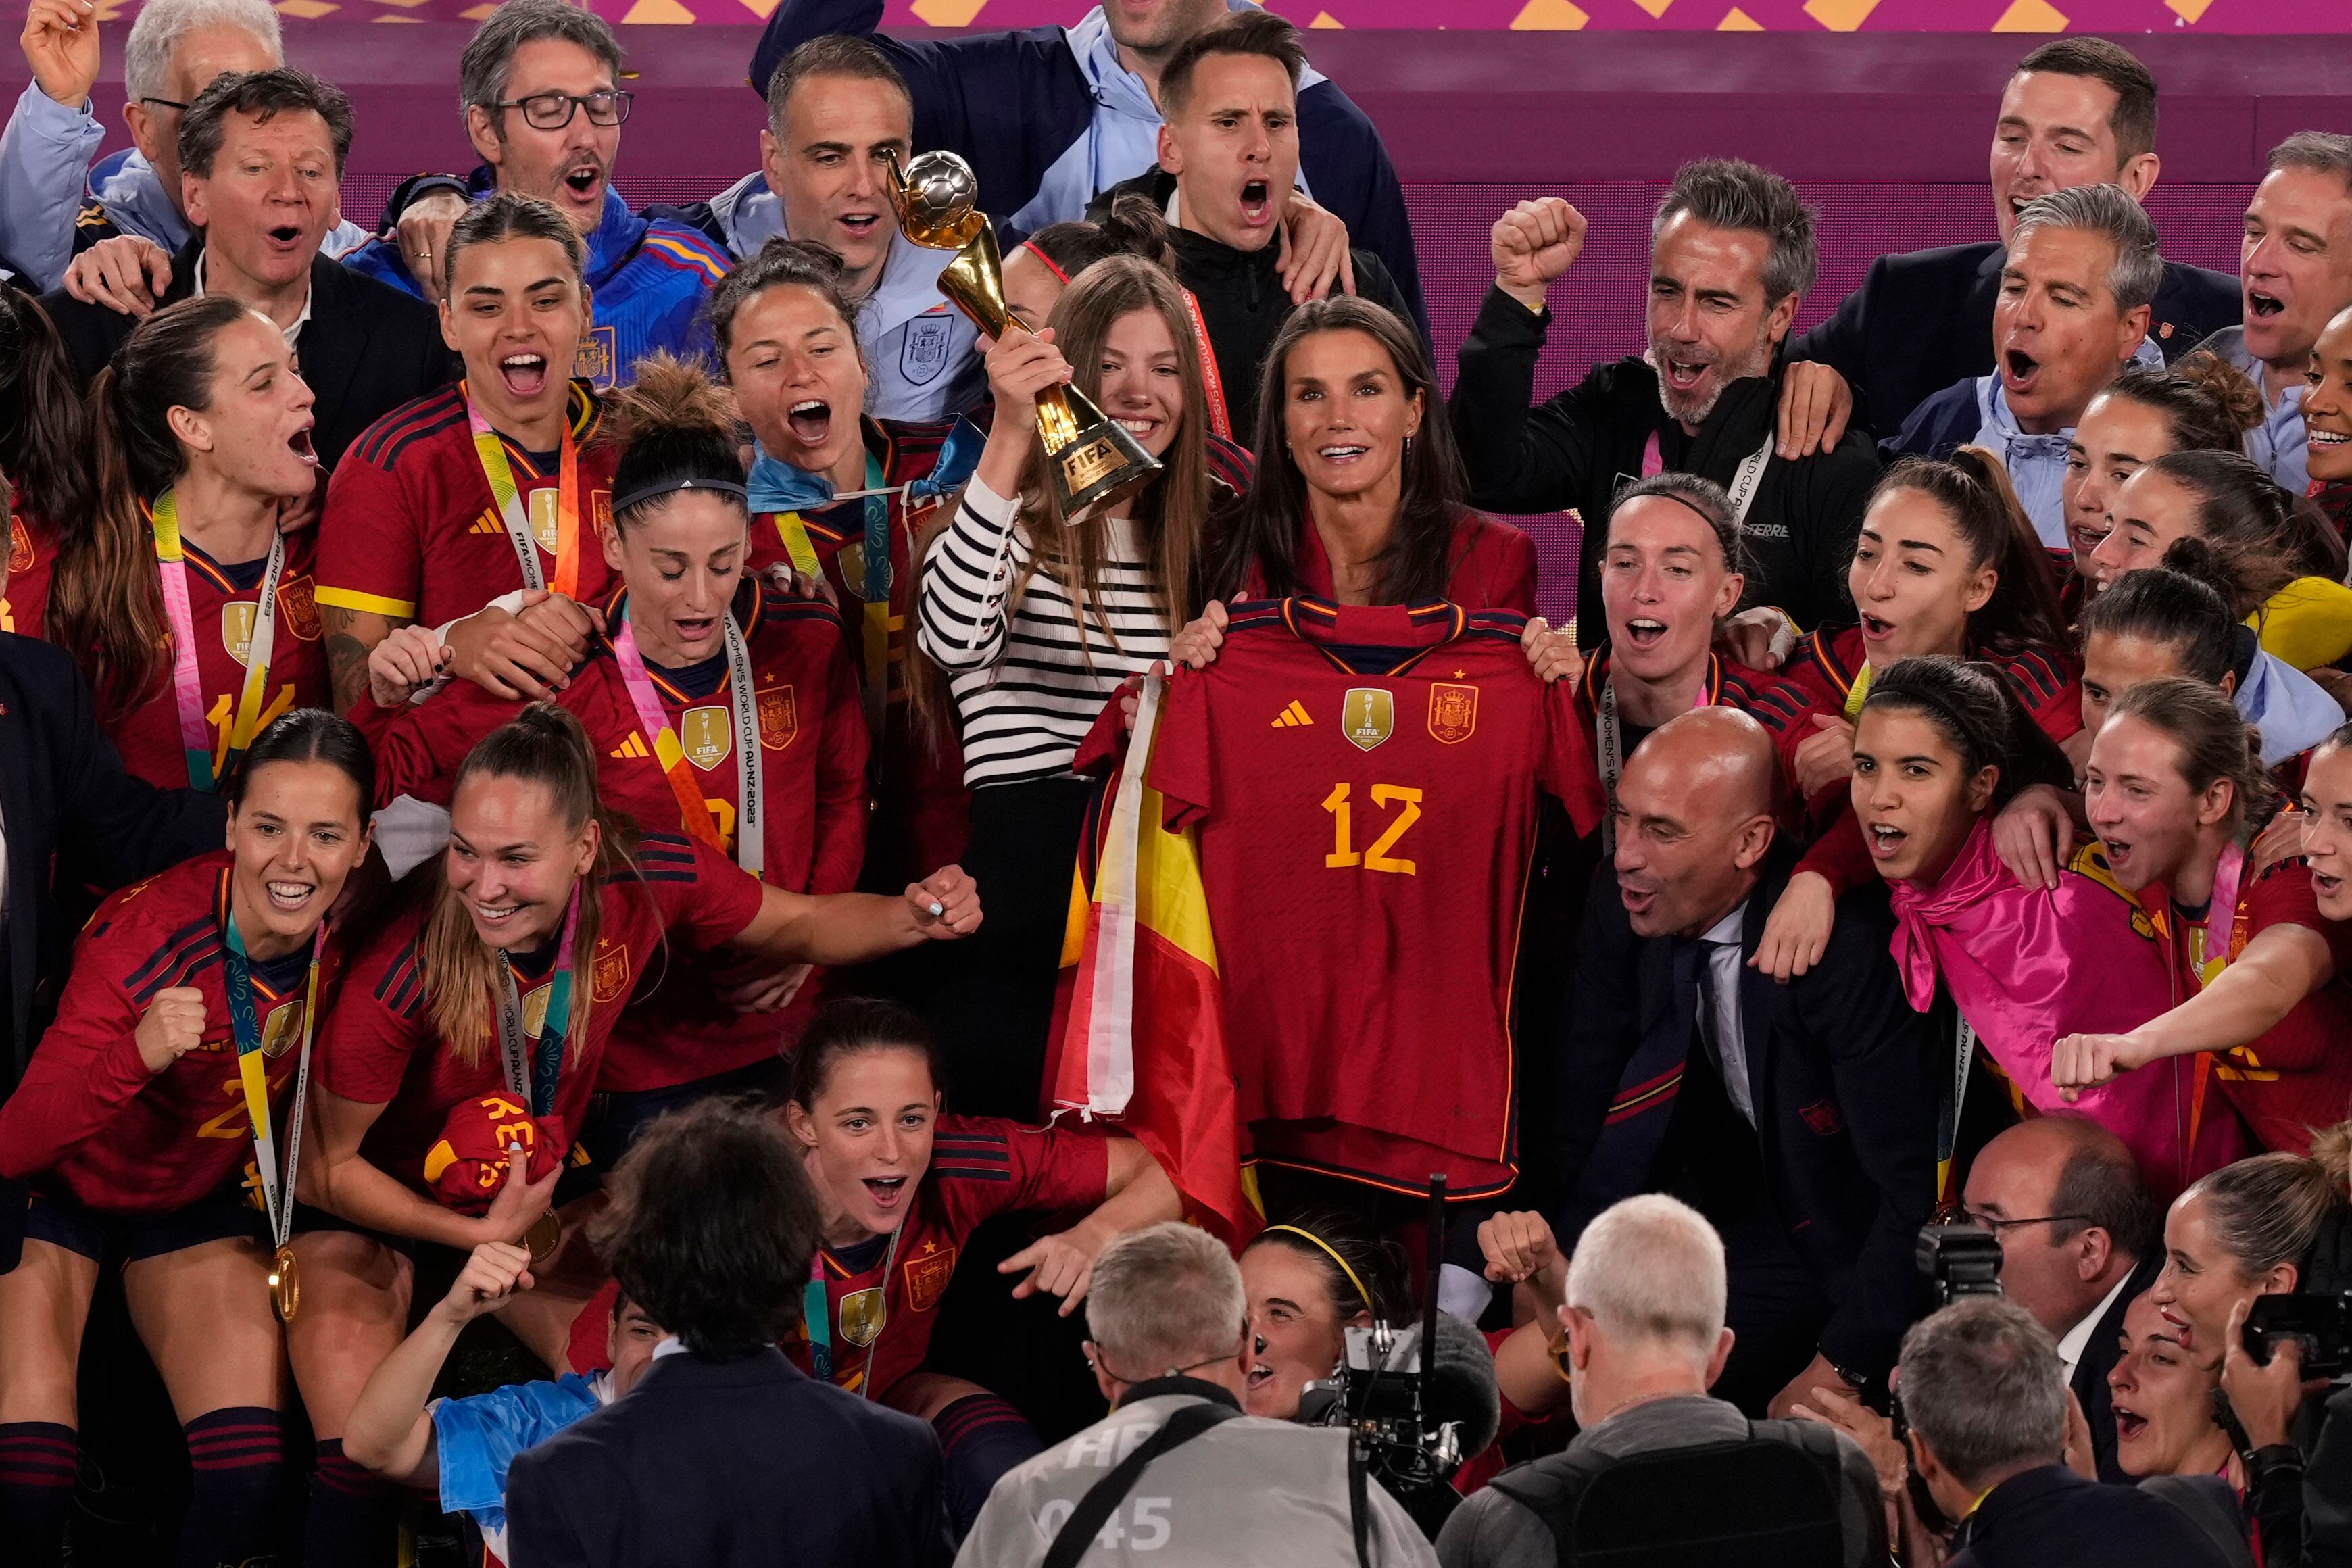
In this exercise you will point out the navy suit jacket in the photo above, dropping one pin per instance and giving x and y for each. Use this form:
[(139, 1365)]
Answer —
[(2099, 1358), (1923, 320), (63, 791), (740, 1464), (2051, 1515), (1840, 1071)]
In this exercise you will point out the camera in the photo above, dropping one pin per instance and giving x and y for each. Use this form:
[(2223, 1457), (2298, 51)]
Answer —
[(2320, 1325), (1961, 1260)]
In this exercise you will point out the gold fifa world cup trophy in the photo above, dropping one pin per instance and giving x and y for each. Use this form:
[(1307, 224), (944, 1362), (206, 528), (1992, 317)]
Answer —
[(1089, 460)]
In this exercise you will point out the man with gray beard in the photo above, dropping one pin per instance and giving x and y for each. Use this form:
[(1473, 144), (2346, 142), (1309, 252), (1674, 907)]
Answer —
[(1731, 254)]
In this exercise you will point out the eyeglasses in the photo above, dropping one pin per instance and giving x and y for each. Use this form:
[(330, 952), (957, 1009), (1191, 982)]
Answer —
[(166, 103), (1985, 1222), (554, 110)]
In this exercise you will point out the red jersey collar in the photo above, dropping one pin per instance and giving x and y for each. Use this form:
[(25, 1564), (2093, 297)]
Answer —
[(1373, 639)]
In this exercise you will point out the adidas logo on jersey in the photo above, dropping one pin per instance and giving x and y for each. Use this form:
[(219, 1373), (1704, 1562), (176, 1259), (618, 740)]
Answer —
[(635, 746), (488, 522), (1290, 717)]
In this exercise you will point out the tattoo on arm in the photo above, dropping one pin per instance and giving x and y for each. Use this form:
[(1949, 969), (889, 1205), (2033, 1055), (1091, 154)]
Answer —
[(351, 636)]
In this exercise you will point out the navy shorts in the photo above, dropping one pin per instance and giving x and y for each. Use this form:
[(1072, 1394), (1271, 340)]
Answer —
[(128, 1238)]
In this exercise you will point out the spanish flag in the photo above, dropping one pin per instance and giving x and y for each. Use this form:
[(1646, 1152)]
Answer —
[(1138, 1039)]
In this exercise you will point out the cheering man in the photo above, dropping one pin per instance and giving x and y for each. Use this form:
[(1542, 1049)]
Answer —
[(1731, 254)]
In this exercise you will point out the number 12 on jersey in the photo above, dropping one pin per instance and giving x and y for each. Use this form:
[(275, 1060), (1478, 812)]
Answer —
[(1376, 857)]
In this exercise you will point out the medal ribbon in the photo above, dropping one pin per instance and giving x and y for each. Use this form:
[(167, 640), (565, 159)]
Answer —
[(1612, 743), (1857, 694), (530, 1078), (817, 1314), (742, 704), (253, 1071), (492, 452), (187, 679), (874, 577), (1213, 384)]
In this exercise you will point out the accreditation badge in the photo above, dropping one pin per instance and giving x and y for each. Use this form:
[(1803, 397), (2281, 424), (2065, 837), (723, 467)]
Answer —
[(706, 735), (1368, 715), (863, 1314)]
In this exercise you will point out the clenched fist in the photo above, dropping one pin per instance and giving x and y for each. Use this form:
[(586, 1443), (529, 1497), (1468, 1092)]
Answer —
[(1534, 243), (174, 1027)]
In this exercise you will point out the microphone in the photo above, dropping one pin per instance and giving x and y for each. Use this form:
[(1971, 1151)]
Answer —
[(1462, 1384)]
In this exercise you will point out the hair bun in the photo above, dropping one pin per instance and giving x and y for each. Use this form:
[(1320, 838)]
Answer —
[(2196, 560), (670, 397), (822, 258), (1134, 227), (2228, 388)]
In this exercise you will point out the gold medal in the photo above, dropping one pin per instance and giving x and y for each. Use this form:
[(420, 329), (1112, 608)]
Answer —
[(285, 1285), (544, 1236)]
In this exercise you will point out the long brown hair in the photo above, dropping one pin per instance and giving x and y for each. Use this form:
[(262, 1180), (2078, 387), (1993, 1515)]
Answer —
[(2264, 536), (1973, 491), (543, 745), (44, 448), (1172, 513), (106, 605), (1419, 557)]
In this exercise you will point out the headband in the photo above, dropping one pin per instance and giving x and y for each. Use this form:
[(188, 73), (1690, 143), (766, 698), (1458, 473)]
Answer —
[(658, 492), (1031, 246), (1328, 1251)]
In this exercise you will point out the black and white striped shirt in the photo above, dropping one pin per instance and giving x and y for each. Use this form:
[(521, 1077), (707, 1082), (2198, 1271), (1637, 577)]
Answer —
[(1028, 684)]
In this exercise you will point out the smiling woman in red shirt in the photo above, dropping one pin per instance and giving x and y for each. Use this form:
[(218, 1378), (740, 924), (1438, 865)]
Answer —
[(44, 452), (149, 1127), (481, 1013), (182, 588), (682, 737)]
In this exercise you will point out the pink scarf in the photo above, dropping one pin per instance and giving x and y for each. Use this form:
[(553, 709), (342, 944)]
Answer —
[(2026, 966)]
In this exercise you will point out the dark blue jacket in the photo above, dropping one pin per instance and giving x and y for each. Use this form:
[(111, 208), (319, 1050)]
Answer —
[(2051, 1515), (1011, 103), (1923, 320), (1840, 1071), (741, 1464)]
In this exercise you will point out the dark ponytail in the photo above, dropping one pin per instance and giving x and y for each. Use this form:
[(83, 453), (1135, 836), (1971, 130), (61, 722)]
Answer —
[(782, 264), (675, 429), (1377, 1262), (1133, 226), (852, 1027), (106, 606), (1973, 491), (44, 446), (2178, 605), (308, 735), (1976, 710), (2207, 402), (2262, 535)]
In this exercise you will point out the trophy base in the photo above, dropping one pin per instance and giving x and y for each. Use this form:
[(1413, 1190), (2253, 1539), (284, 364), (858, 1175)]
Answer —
[(1100, 465)]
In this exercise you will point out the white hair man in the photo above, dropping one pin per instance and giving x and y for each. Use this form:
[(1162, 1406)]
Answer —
[(1644, 1320), (1168, 1319), (175, 49)]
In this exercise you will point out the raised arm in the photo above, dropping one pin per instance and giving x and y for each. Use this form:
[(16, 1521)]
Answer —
[(390, 1430), (46, 150), (1518, 458), (1137, 1193), (2281, 966), (838, 928)]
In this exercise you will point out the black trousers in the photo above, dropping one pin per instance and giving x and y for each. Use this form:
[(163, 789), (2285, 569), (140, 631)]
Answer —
[(989, 999)]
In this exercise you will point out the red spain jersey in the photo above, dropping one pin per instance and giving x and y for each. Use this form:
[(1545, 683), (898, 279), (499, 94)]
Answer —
[(1827, 662), (1366, 784), (221, 606), (922, 811), (981, 1167), (32, 553), (378, 1048), (2297, 1078), (1490, 565), (813, 781), (89, 1119), (412, 532)]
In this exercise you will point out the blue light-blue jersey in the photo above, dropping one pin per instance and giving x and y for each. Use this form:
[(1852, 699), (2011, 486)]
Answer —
[(649, 281), (477, 1438)]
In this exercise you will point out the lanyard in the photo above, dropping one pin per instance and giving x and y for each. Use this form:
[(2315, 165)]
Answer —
[(187, 680), (742, 703), (493, 453), (1744, 480), (1948, 1115), (1857, 694), (1213, 382), (816, 1314), (253, 1071), (1612, 752), (531, 1078), (2197, 947)]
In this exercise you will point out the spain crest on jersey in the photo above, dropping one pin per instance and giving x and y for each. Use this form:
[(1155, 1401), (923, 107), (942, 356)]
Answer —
[(298, 607), (594, 361), (610, 974), (1453, 713), (706, 735), (925, 353), (1368, 715), (779, 718), (928, 1276), (863, 1314)]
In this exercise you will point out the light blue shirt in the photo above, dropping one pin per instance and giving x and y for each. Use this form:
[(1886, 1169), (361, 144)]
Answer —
[(2036, 463), (2293, 712), (922, 356), (2280, 442), (44, 153), (477, 1438), (1123, 139)]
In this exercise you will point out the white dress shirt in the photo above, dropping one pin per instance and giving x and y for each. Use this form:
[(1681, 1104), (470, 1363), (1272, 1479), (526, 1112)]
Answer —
[(2076, 1340)]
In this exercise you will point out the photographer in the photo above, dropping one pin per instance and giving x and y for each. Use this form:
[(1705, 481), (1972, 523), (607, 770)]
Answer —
[(1169, 1319), (1645, 1340), (1982, 1386)]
